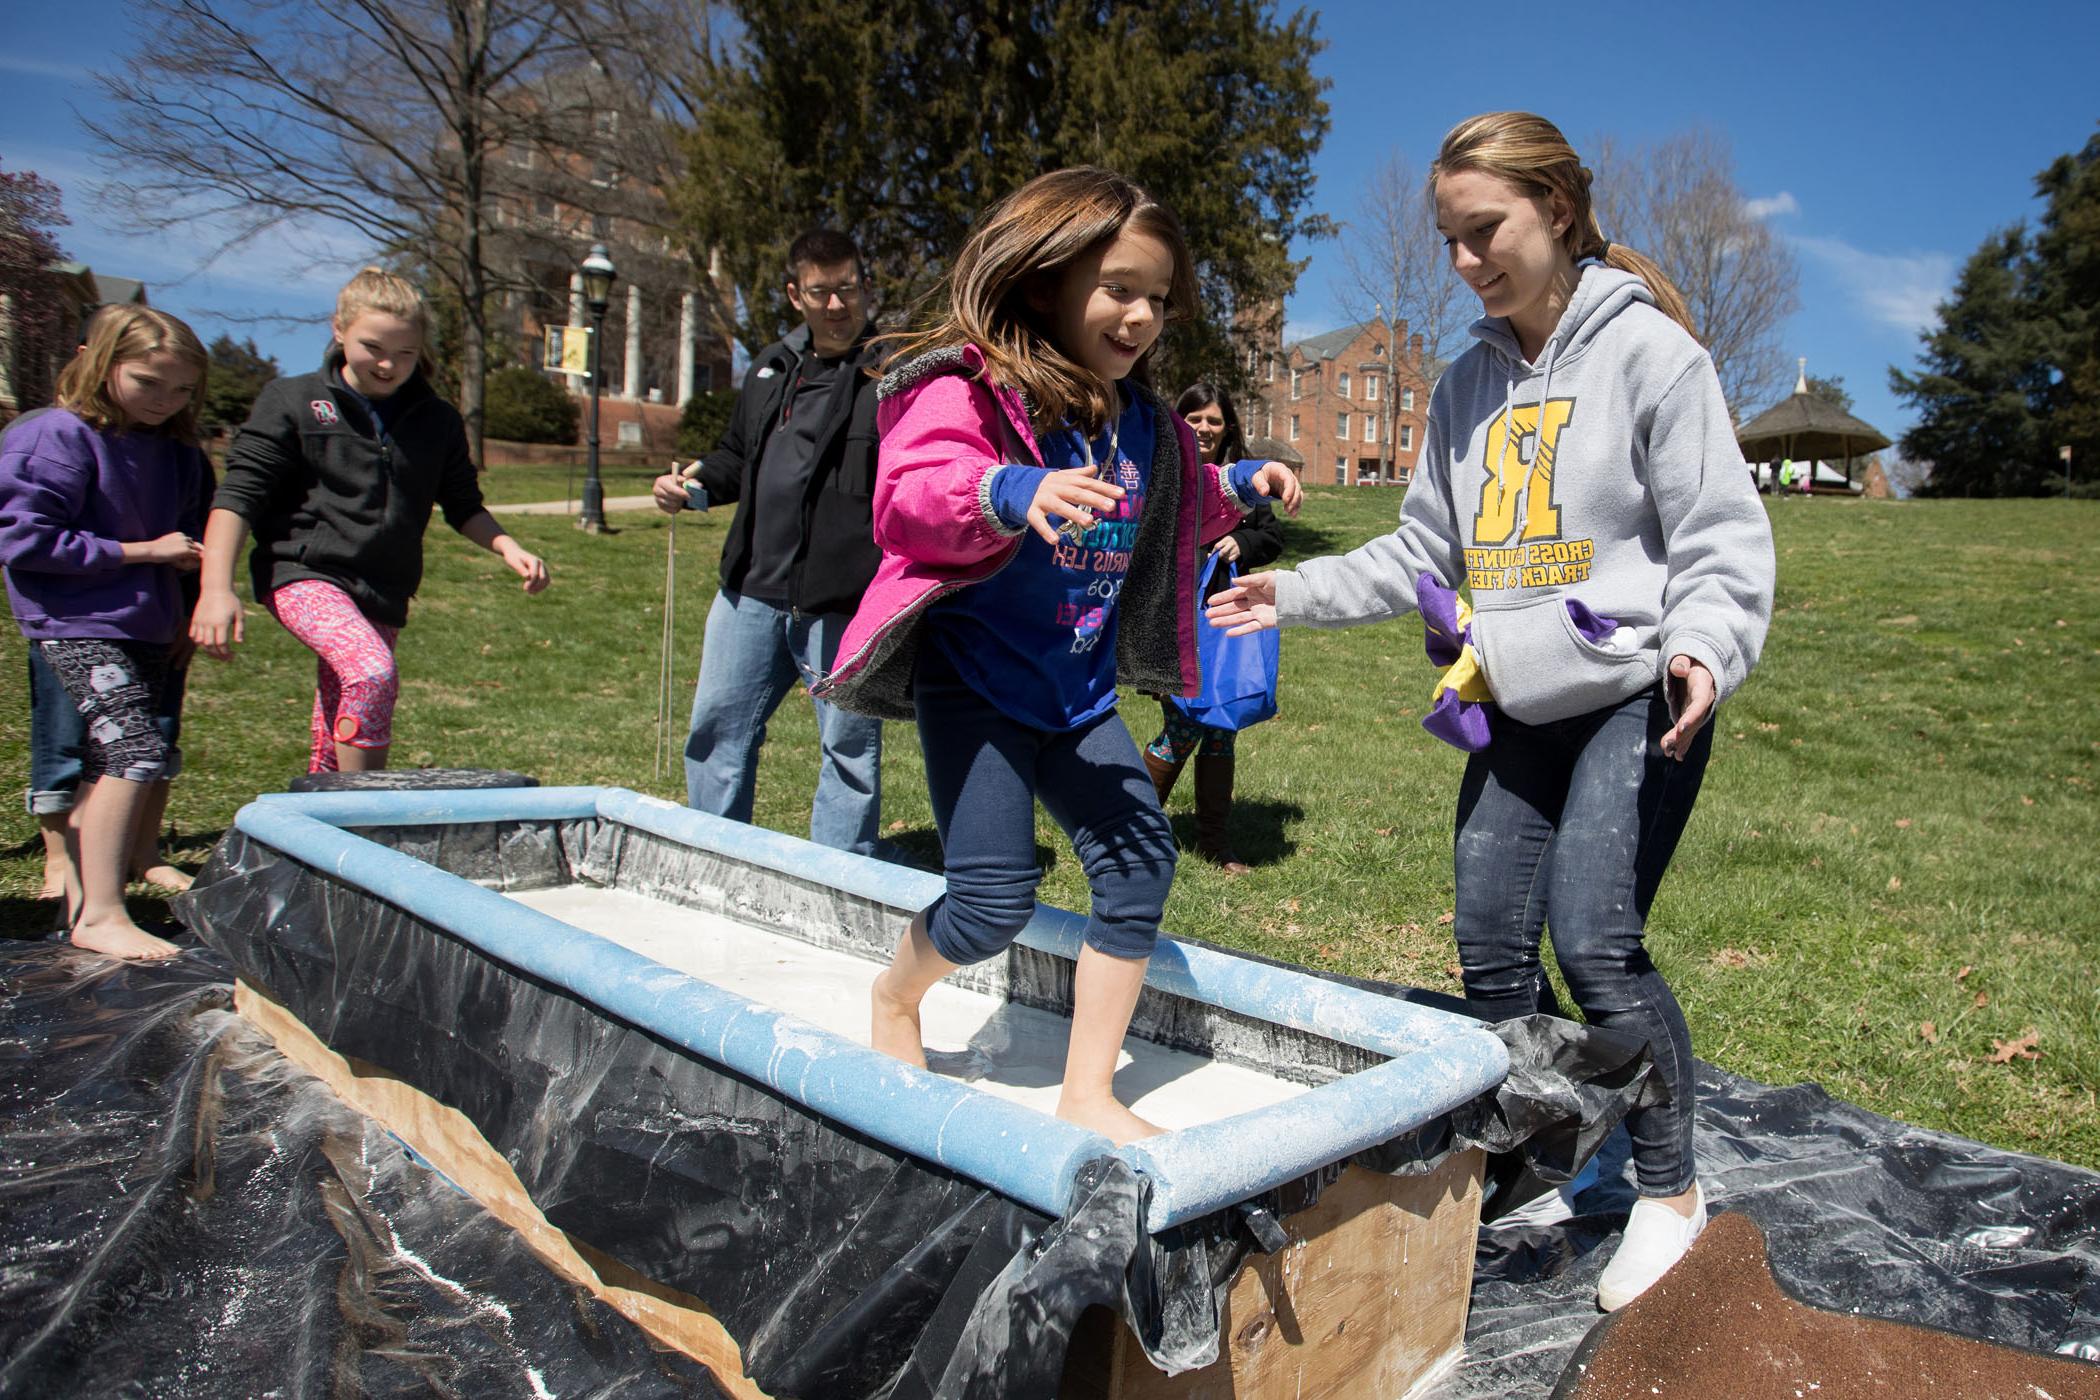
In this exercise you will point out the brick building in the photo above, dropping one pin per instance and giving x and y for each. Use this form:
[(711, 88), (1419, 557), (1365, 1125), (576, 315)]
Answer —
[(1352, 412)]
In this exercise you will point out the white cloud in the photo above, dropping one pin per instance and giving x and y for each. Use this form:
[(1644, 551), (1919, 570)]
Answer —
[(45, 68), (1781, 203), (1900, 290)]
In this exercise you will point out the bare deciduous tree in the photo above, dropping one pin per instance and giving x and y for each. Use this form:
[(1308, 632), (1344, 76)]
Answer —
[(394, 120), (1394, 265), (1395, 273), (1678, 203)]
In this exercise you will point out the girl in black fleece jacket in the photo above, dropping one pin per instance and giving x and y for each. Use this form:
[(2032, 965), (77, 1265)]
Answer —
[(336, 473)]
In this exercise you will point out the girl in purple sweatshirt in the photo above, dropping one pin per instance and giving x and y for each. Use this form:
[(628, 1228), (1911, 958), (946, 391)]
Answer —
[(97, 514)]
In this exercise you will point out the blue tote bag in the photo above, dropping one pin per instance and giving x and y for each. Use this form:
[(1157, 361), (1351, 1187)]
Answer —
[(1239, 673)]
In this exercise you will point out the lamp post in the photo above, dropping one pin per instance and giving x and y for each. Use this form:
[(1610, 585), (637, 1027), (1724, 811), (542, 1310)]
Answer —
[(1388, 464), (598, 275)]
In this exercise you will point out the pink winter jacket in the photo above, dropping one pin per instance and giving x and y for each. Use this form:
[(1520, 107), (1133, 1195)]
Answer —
[(944, 428)]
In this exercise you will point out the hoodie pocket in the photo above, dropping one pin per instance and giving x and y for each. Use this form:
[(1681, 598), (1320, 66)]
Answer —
[(1542, 669)]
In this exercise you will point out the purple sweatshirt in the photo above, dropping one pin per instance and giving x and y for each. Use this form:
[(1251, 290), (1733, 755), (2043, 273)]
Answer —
[(71, 498)]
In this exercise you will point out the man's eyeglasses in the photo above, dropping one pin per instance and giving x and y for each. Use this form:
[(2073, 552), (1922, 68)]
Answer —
[(816, 294)]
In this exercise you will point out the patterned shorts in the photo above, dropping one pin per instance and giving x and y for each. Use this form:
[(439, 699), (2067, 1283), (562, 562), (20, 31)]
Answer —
[(116, 687)]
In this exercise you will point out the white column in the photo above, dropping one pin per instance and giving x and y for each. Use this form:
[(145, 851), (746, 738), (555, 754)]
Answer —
[(631, 378), (688, 332), (579, 384)]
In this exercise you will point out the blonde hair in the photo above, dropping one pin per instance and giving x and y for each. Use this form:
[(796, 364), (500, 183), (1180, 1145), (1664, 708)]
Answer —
[(1022, 242), (114, 335), (376, 289), (1530, 153)]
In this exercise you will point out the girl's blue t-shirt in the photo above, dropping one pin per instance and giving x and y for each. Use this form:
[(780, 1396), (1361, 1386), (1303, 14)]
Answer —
[(1038, 639)]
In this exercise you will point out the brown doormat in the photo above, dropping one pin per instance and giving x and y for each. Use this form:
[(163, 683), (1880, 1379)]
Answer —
[(1719, 1327)]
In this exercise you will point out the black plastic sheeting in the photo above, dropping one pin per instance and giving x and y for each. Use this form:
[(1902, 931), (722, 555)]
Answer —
[(841, 1266), (184, 1213)]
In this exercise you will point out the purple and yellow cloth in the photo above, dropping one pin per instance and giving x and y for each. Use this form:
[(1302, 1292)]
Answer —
[(1462, 703)]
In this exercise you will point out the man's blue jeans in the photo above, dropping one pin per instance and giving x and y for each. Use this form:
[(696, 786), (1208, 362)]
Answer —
[(1571, 825), (751, 656)]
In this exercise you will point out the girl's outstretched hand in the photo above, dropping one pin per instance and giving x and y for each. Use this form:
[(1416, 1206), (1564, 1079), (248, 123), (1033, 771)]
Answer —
[(1280, 484), (1248, 606), (527, 566), (1075, 496), (1689, 687), (215, 626)]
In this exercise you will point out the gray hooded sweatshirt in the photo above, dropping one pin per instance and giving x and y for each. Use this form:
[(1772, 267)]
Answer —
[(1634, 500)]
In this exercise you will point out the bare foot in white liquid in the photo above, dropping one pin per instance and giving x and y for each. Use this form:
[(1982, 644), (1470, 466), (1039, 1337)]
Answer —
[(894, 1026), (1107, 1117)]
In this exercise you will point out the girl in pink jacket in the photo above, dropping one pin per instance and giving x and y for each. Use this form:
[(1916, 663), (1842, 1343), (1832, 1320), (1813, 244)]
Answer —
[(1041, 515)]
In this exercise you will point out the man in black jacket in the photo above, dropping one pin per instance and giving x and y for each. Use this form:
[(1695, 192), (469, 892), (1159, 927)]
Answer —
[(798, 459)]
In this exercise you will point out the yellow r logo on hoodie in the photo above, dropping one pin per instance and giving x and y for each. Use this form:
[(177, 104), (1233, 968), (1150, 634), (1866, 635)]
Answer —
[(1509, 475)]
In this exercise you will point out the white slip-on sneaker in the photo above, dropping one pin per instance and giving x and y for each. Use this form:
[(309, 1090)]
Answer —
[(1656, 1237)]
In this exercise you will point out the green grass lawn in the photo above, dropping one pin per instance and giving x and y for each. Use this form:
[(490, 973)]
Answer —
[(1890, 875), (509, 485)]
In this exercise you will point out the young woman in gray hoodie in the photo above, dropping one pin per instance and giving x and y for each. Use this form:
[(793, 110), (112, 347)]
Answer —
[(1580, 479)]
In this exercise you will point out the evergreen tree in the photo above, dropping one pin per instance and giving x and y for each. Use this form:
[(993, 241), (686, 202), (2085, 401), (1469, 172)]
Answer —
[(2067, 284), (2012, 372), (900, 122), (238, 373)]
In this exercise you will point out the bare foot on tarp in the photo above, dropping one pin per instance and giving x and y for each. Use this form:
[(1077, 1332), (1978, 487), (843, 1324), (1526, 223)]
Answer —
[(163, 876), (121, 938), (894, 1026), (1107, 1117)]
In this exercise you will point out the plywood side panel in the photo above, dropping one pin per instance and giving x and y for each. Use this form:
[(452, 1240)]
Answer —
[(1367, 1300), (454, 1146)]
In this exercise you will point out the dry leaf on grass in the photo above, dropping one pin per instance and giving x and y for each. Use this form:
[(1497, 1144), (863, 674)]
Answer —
[(1895, 883), (1966, 969), (2003, 1052), (1903, 823), (1732, 957), (1982, 1000), (1928, 1032), (1446, 917)]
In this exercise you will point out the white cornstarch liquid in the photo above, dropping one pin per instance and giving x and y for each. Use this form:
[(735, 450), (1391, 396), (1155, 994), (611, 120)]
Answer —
[(1016, 1052)]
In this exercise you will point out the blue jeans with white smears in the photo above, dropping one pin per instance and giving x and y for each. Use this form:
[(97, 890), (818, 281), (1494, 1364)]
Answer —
[(1570, 826), (751, 656)]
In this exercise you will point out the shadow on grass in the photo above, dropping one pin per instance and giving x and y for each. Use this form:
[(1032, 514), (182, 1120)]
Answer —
[(1257, 831)]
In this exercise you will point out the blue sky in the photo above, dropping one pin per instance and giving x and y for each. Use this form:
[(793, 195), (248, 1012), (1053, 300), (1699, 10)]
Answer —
[(1889, 140)]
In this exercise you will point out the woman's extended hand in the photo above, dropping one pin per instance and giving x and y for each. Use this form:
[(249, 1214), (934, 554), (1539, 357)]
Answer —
[(1248, 606), (1280, 484), (1690, 689), (1076, 495)]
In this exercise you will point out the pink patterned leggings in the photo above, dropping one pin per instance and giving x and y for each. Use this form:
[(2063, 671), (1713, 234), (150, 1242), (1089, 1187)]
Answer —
[(354, 702)]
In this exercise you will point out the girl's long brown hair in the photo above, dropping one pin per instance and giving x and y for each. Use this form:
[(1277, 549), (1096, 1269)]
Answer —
[(1530, 153), (1024, 242), (120, 333)]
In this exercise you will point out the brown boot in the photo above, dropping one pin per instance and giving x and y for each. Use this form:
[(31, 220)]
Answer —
[(1214, 812), (1165, 773)]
